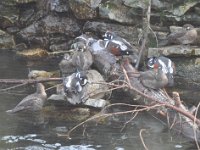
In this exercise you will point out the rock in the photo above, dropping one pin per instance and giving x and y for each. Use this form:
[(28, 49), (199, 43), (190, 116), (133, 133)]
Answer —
[(110, 10), (175, 29), (94, 89), (107, 65), (41, 74), (57, 100), (175, 50), (26, 15), (187, 73), (39, 33), (9, 16), (59, 47), (12, 30), (159, 4), (142, 4), (63, 25), (182, 9), (84, 9), (20, 47), (130, 33), (32, 54), (61, 113), (46, 7), (6, 40), (198, 37), (97, 103), (24, 1)]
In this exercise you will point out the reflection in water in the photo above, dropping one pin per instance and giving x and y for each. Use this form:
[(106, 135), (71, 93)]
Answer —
[(39, 131)]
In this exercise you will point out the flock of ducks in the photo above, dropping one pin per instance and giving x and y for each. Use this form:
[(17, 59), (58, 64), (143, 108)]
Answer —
[(159, 74)]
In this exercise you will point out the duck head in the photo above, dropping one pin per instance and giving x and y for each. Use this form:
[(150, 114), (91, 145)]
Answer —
[(108, 35), (41, 89), (188, 27), (167, 66), (73, 87), (74, 83), (79, 46)]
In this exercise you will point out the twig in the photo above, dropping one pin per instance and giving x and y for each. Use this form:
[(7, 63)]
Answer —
[(195, 134), (23, 82), (12, 87), (180, 110), (28, 81), (128, 121), (146, 26), (105, 116), (145, 147)]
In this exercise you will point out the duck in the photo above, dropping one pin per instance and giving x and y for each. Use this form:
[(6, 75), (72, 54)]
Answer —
[(117, 45), (66, 65), (186, 36), (82, 58), (168, 67), (33, 102), (73, 87), (96, 46), (154, 79), (79, 46)]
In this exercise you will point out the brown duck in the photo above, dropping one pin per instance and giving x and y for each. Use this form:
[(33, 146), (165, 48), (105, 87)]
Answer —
[(154, 79), (82, 60), (33, 102), (187, 35)]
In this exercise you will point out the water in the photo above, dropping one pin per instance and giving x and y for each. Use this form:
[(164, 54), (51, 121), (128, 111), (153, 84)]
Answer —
[(39, 132)]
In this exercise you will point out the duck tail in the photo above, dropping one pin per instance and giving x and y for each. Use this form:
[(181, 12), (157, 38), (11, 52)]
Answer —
[(10, 111)]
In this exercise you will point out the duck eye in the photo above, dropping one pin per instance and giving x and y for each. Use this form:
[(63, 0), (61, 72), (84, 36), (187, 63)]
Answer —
[(85, 81)]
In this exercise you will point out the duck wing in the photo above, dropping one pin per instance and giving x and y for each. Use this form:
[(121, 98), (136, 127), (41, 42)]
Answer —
[(174, 37)]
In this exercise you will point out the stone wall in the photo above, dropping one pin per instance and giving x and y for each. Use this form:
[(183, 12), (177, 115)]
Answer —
[(53, 24)]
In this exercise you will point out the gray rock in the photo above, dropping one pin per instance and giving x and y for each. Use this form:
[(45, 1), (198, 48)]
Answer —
[(24, 1), (84, 9), (110, 10), (187, 73), (97, 103), (182, 9), (136, 3), (56, 97), (52, 6), (130, 33), (175, 50), (94, 89), (60, 25), (38, 33), (6, 40), (12, 30), (9, 16), (25, 17)]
